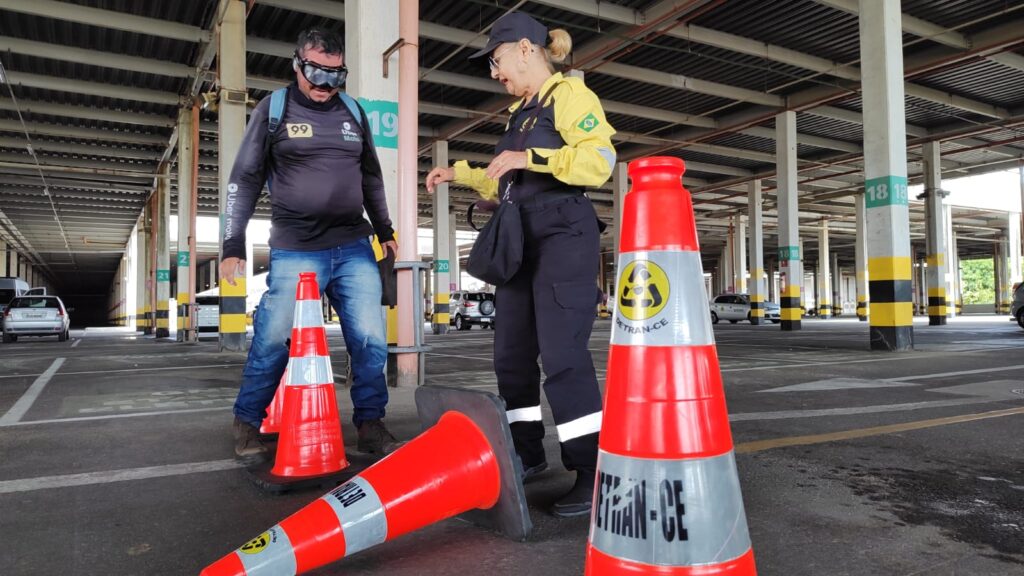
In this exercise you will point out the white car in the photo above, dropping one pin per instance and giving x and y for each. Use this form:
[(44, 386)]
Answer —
[(36, 316), (736, 307)]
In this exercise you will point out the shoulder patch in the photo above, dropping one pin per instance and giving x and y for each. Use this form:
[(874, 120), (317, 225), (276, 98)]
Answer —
[(588, 123)]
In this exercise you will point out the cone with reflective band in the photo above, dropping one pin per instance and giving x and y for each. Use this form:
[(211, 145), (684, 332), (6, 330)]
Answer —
[(272, 423), (309, 443), (449, 469), (667, 499)]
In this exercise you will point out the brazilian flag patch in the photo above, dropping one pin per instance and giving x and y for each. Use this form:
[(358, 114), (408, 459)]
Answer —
[(588, 123)]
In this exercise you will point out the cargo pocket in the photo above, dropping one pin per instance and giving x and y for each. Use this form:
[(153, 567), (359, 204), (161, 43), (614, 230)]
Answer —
[(576, 295), (573, 213)]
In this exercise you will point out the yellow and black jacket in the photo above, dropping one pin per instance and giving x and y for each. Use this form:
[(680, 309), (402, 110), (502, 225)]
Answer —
[(568, 147)]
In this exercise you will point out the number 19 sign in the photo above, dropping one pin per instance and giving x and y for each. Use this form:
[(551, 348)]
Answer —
[(382, 116)]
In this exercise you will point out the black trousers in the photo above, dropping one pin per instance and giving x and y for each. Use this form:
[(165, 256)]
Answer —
[(547, 310)]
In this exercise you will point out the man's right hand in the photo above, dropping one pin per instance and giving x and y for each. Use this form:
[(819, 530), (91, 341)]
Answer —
[(438, 176), (230, 267)]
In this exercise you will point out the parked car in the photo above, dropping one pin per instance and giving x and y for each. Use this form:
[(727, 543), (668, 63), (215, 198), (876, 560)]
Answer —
[(736, 307), (10, 288), (36, 316), (208, 313), (1017, 307), (468, 308)]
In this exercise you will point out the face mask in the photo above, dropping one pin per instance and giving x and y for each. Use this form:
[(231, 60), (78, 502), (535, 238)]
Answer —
[(321, 76)]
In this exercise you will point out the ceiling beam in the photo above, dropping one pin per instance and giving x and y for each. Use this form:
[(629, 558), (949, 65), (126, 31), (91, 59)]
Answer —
[(81, 149), (41, 129), (87, 113), (94, 57), (913, 25), (93, 88), (108, 19)]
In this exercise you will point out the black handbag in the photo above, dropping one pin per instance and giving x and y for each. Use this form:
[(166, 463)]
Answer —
[(497, 252)]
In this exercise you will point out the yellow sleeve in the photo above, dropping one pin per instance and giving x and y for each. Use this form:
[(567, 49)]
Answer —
[(588, 157), (475, 178)]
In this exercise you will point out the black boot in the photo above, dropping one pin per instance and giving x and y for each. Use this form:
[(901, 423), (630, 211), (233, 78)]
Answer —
[(249, 448), (579, 500)]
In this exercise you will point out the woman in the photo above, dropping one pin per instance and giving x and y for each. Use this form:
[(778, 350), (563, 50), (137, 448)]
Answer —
[(556, 143)]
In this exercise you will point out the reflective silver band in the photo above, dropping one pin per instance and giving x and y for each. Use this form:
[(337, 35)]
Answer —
[(360, 514), (308, 314), (269, 553), (589, 424), (307, 371), (528, 414), (661, 300), (669, 512)]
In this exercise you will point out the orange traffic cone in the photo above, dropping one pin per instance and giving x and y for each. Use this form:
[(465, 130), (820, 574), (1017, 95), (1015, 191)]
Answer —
[(310, 441), (272, 423), (461, 463), (667, 499)]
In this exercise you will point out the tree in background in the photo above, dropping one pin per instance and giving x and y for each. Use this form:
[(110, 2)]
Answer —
[(978, 281)]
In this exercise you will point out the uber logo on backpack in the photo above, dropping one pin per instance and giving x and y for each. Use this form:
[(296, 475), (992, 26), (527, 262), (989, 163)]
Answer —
[(299, 130), (347, 134)]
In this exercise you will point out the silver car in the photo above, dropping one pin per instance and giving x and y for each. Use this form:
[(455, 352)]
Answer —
[(36, 316), (468, 308), (1017, 307), (736, 307)]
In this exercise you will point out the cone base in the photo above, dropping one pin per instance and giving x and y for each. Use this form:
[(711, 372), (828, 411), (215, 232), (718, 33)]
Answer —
[(263, 478), (601, 564), (509, 516)]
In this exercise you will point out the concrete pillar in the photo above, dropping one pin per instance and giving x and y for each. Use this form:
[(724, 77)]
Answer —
[(770, 273), (727, 273), (791, 271), (935, 235), (824, 295), (131, 284), (1003, 287), (739, 255), (952, 264), (958, 286), (230, 128), (143, 284), (3, 258), (212, 275), (1013, 237), (885, 172), (163, 253), (620, 186), (442, 247), (454, 265), (188, 153), (837, 286), (371, 26), (757, 282)]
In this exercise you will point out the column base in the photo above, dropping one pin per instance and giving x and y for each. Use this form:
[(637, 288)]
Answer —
[(892, 338), (232, 341), (790, 325), (439, 328), (936, 320), (163, 333)]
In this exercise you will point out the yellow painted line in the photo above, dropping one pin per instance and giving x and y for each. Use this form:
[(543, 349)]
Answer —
[(762, 445)]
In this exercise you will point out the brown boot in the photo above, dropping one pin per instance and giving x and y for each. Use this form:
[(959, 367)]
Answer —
[(374, 438), (248, 446)]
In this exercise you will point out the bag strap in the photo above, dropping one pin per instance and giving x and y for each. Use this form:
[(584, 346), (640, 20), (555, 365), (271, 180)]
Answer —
[(520, 141), (352, 106), (278, 102)]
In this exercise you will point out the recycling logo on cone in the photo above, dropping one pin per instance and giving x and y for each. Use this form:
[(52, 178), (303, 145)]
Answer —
[(644, 290)]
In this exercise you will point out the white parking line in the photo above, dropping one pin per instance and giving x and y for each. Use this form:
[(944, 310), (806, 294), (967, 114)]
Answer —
[(77, 342), (29, 397), (112, 416), (108, 476), (961, 373), (132, 370)]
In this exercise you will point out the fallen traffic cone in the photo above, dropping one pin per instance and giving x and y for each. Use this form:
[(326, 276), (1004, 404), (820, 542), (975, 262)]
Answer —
[(461, 463), (310, 441), (667, 499), (272, 423)]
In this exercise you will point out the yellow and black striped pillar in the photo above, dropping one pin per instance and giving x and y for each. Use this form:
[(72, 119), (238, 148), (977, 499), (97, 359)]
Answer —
[(935, 235), (824, 273), (232, 314), (861, 260), (1002, 270), (791, 271), (885, 172), (757, 283)]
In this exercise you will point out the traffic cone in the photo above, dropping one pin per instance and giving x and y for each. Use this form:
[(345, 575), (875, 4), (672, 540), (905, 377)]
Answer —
[(272, 423), (309, 443), (667, 499), (451, 468)]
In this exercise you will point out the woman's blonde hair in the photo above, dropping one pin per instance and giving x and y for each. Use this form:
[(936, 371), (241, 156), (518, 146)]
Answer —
[(559, 45)]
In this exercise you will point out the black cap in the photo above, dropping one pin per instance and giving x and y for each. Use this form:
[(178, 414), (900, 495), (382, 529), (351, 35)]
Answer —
[(513, 28)]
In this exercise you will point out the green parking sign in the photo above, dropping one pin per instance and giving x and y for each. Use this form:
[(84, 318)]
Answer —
[(442, 265)]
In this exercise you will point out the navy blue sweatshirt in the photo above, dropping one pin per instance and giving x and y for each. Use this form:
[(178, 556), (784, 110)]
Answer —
[(322, 169)]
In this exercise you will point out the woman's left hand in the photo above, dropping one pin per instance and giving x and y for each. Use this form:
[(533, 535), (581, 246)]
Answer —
[(502, 163)]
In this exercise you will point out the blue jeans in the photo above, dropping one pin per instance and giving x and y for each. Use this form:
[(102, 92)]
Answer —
[(348, 274)]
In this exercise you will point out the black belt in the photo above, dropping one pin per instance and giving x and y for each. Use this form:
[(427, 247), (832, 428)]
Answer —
[(540, 200)]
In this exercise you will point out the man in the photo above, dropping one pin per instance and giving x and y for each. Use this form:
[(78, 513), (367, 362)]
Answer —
[(322, 171)]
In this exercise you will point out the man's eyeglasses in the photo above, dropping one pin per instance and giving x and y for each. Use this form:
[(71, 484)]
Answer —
[(321, 76), (493, 60)]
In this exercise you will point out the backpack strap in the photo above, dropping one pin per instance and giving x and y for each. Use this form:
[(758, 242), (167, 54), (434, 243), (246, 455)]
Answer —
[(278, 101), (352, 106)]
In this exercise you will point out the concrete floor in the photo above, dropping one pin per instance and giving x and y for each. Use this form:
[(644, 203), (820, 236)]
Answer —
[(117, 456)]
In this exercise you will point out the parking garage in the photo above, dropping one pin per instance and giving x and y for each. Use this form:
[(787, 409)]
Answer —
[(875, 425)]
